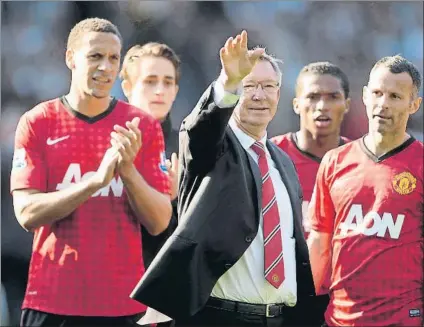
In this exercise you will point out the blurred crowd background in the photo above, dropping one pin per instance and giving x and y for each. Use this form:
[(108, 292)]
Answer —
[(353, 35)]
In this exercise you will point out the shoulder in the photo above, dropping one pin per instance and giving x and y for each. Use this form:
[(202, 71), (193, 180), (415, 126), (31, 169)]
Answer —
[(342, 154), (415, 154), (282, 141), (40, 113)]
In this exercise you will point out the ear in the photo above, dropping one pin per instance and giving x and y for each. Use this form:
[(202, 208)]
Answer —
[(296, 106), (415, 105), (126, 88), (347, 104), (69, 59), (364, 94)]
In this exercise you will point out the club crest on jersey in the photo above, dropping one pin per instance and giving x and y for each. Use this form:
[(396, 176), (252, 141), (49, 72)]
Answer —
[(404, 183), (162, 163), (19, 159)]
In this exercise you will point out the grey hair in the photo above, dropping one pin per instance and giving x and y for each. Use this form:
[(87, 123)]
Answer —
[(275, 63)]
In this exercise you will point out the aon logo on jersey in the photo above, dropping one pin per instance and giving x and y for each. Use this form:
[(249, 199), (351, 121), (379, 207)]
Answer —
[(73, 175), (372, 223)]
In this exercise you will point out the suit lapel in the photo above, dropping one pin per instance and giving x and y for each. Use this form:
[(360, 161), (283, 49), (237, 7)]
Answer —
[(286, 180), (254, 169)]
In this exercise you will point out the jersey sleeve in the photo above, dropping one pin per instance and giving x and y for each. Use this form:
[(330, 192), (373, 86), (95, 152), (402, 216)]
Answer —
[(153, 159), (28, 167), (321, 208)]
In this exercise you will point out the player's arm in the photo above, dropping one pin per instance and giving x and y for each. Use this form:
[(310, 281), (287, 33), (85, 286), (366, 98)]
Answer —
[(33, 205), (148, 194), (34, 208), (322, 214)]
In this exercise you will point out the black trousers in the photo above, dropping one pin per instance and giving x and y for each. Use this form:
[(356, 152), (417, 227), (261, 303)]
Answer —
[(36, 318), (209, 317)]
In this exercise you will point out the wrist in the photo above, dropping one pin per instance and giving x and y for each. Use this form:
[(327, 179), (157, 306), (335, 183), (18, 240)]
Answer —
[(230, 85), (94, 183), (127, 172)]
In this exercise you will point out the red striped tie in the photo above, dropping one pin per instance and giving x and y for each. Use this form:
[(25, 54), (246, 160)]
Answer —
[(273, 247)]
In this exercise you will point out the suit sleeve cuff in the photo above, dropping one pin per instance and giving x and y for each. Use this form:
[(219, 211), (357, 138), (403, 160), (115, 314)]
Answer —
[(224, 99)]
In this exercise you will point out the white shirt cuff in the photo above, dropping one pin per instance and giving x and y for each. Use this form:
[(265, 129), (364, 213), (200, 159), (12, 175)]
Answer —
[(224, 99)]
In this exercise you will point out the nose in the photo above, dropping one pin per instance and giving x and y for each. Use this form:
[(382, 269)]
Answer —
[(105, 65), (383, 101), (321, 105), (159, 89), (259, 93)]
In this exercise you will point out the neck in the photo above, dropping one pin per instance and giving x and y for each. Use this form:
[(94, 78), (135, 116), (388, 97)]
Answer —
[(379, 144), (317, 145), (256, 133), (86, 104)]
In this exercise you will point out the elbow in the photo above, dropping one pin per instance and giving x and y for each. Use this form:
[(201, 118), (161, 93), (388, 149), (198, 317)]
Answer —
[(162, 220), (26, 221)]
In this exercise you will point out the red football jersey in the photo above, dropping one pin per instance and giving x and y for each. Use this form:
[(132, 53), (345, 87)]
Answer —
[(88, 263), (373, 207), (307, 167)]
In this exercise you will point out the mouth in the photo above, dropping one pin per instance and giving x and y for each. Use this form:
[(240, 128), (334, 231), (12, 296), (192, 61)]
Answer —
[(101, 80), (157, 102), (381, 117), (322, 121), (258, 109)]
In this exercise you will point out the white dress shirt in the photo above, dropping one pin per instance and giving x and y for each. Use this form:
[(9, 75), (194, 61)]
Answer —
[(245, 281)]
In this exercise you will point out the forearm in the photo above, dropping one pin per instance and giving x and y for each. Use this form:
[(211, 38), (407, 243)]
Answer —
[(152, 208), (38, 209), (319, 255)]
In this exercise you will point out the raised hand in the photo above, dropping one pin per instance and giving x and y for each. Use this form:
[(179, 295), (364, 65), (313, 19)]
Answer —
[(237, 61), (172, 167), (127, 141)]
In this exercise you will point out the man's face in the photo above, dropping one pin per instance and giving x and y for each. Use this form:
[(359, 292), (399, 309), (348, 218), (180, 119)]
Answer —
[(259, 101), (321, 104), (95, 63), (389, 101), (154, 88)]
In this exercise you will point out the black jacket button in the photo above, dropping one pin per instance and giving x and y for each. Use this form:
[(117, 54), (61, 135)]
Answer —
[(305, 264), (228, 265), (248, 239)]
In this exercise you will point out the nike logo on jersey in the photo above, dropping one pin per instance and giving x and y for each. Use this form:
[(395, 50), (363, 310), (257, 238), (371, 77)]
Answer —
[(51, 142)]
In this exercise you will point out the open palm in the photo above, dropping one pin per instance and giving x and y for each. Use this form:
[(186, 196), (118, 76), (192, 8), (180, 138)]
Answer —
[(236, 60)]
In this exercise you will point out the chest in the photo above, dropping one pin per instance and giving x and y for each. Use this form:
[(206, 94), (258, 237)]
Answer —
[(379, 199)]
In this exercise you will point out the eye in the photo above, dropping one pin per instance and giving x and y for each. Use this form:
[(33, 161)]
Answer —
[(249, 87), (312, 96), (95, 56), (376, 93), (395, 96)]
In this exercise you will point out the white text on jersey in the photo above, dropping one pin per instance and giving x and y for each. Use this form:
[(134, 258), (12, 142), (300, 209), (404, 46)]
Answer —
[(74, 173), (372, 223)]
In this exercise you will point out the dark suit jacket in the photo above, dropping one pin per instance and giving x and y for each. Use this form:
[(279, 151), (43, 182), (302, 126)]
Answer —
[(219, 209)]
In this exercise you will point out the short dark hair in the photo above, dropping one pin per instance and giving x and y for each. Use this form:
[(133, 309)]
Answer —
[(325, 68), (151, 49), (398, 64), (91, 25)]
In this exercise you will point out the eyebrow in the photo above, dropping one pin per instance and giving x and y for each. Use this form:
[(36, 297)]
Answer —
[(331, 93), (264, 81), (154, 75)]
